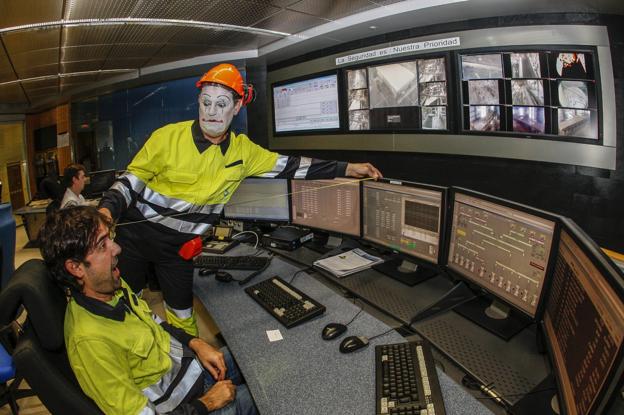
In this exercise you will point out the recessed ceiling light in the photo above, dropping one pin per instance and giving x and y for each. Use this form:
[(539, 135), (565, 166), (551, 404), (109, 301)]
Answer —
[(372, 27)]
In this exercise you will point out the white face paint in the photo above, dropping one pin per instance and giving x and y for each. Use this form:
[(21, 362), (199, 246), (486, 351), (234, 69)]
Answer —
[(216, 110)]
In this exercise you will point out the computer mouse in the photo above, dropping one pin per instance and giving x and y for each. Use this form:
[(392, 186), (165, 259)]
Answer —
[(353, 343), (333, 330), (223, 276), (206, 271)]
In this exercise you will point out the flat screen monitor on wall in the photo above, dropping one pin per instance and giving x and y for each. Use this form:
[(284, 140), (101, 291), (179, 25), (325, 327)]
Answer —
[(306, 105), (504, 248), (584, 324)]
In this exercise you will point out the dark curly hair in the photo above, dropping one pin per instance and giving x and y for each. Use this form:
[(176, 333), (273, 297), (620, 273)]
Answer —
[(69, 233)]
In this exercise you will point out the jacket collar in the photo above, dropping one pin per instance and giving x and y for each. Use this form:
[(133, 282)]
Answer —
[(102, 309), (202, 144)]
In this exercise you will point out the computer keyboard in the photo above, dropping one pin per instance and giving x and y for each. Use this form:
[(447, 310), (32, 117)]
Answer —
[(230, 262), (284, 302), (406, 381)]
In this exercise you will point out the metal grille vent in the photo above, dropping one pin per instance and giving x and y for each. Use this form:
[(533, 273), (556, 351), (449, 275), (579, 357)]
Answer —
[(488, 367)]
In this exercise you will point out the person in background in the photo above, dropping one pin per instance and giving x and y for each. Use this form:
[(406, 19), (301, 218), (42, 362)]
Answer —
[(176, 186), (75, 178), (124, 357)]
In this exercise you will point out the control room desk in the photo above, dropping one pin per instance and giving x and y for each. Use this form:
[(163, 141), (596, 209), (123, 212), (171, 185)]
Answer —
[(303, 374), (33, 218)]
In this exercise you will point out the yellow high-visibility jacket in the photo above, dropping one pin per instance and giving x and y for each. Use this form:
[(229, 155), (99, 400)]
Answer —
[(180, 182)]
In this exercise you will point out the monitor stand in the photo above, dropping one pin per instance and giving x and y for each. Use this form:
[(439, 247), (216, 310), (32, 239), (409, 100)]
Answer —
[(323, 243), (494, 316), (541, 400), (405, 271)]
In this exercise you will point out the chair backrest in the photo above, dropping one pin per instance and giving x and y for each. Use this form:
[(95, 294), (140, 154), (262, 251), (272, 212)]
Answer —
[(53, 206), (7, 243), (40, 355)]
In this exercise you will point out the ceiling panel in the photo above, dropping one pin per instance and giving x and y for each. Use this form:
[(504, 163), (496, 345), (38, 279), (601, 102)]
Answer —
[(20, 12), (290, 22), (239, 12), (132, 33), (81, 66), (172, 9), (90, 9), (135, 50), (31, 86), (332, 10), (174, 52), (6, 69), (12, 94), (85, 53), (124, 63), (31, 40), (225, 38), (39, 70), (90, 35), (77, 81)]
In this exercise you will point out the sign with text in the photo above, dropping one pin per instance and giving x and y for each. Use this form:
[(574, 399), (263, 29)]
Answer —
[(395, 50)]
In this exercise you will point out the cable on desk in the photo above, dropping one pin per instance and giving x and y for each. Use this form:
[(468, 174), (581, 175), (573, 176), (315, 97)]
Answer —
[(382, 334), (299, 272), (253, 274), (355, 316), (251, 232), (513, 395)]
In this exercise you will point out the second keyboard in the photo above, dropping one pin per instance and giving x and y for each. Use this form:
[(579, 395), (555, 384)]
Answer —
[(230, 262), (284, 302)]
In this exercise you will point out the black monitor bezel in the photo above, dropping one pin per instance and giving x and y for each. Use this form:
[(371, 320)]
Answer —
[(323, 131), (109, 172), (539, 310), (264, 220), (443, 219), (615, 279), (328, 231)]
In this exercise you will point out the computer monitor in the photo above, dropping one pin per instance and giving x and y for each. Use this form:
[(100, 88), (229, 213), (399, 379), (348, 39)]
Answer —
[(99, 182), (504, 248), (328, 205), (307, 105), (584, 324), (259, 200), (407, 218)]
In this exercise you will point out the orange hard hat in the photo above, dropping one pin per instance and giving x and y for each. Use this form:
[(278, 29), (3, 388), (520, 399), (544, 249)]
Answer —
[(227, 75)]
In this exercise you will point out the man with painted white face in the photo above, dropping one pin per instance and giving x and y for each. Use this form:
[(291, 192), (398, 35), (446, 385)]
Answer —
[(178, 183)]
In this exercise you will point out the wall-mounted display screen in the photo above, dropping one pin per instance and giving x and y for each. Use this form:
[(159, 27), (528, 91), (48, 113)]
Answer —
[(482, 66), (549, 93), (307, 105), (409, 95)]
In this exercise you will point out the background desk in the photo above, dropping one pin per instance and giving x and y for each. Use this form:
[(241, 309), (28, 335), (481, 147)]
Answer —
[(303, 374), (33, 218)]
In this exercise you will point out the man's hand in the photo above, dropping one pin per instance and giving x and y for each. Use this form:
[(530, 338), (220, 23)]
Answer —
[(221, 394), (210, 358), (361, 170)]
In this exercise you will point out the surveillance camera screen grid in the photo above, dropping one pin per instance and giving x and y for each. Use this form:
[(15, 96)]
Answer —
[(403, 218), (501, 249), (535, 93), (402, 95)]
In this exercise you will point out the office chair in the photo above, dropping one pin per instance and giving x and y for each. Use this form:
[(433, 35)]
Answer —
[(7, 243), (40, 355), (9, 394)]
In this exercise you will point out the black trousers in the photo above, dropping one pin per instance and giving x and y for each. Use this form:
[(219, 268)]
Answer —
[(142, 245)]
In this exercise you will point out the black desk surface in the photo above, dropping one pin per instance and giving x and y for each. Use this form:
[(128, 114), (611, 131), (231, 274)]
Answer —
[(303, 374)]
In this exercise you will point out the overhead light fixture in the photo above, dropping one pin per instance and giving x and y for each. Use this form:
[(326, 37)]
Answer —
[(67, 75), (142, 21)]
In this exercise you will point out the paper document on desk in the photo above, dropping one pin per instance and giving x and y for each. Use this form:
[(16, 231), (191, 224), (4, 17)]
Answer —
[(348, 263)]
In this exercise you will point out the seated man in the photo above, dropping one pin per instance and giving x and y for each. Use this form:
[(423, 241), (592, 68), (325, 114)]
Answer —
[(74, 178), (125, 358)]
